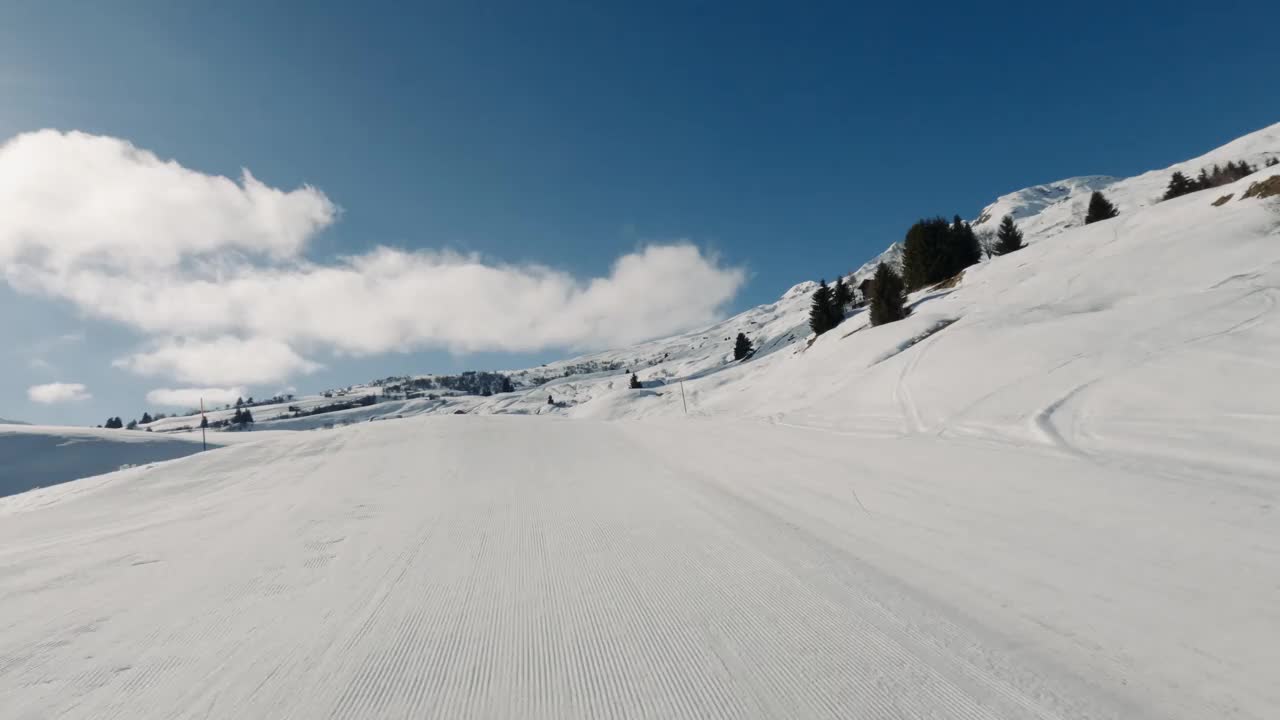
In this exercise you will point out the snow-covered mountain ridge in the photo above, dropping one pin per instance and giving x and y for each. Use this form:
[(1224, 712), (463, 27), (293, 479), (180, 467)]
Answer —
[(1044, 212), (595, 384)]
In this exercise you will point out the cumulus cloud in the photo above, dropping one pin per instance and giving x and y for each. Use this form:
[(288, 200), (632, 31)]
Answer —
[(214, 272), (187, 398), (53, 393), (223, 360)]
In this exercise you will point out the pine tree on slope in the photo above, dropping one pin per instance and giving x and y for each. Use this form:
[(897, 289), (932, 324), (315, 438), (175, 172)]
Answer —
[(820, 319), (1179, 185), (924, 257), (888, 297), (1100, 208), (635, 382), (964, 246), (1008, 237), (742, 348)]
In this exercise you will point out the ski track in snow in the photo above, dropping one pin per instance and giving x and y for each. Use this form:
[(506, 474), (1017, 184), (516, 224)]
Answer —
[(482, 567)]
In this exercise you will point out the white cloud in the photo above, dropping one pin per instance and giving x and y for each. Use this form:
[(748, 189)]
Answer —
[(52, 393), (224, 360), (188, 398), (176, 254)]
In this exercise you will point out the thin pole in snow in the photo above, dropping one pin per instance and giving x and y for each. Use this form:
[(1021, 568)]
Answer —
[(682, 400)]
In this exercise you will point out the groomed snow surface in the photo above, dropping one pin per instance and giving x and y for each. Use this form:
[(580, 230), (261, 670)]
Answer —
[(1050, 493), (533, 567)]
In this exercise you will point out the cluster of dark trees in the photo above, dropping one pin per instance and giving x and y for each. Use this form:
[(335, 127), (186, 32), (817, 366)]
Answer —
[(239, 421), (935, 250), (471, 382), (116, 423), (274, 400), (888, 299), (827, 308), (1180, 184)]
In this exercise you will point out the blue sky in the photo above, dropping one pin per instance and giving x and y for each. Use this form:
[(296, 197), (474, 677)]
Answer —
[(790, 142)]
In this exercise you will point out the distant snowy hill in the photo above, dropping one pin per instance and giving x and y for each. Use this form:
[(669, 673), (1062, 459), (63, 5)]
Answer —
[(1043, 211), (1080, 288), (1169, 257), (5, 421)]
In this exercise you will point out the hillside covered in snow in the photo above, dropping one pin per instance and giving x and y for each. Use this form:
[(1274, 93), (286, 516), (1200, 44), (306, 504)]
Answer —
[(1050, 492), (1085, 322)]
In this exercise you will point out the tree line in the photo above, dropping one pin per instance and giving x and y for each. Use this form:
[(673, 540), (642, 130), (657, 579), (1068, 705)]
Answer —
[(1180, 184), (934, 250)]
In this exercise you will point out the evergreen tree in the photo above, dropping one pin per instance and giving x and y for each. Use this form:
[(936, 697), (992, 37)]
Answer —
[(820, 315), (133, 425), (835, 311), (965, 248), (1273, 161), (507, 385), (1100, 208), (742, 348), (635, 382), (888, 297), (146, 419), (1202, 180), (841, 296), (239, 402), (1008, 237), (1179, 185), (924, 260), (550, 401), (935, 250)]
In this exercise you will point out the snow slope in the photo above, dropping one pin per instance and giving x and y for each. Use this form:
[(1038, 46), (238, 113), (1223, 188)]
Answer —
[(1046, 210), (1049, 211), (682, 568), (1107, 340), (1049, 493)]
